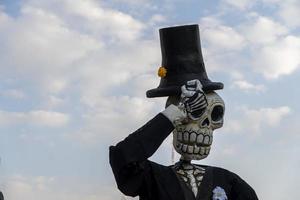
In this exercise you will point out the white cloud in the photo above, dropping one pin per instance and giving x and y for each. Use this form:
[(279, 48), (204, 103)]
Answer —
[(246, 86), (35, 118), (135, 2), (271, 1), (270, 116), (56, 86), (240, 4), (53, 50), (237, 75), (101, 49), (274, 51), (13, 93), (157, 18), (47, 188), (221, 45), (98, 56), (210, 21), (279, 58), (96, 19), (263, 30), (4, 18), (254, 120), (220, 37), (118, 68), (260, 43), (53, 102), (106, 21), (287, 10), (42, 43), (116, 117), (48, 118)]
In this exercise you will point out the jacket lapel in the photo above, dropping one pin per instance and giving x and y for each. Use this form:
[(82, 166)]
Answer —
[(170, 183), (206, 186)]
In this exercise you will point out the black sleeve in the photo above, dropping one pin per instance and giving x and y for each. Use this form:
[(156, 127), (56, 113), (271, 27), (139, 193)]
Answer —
[(241, 190), (128, 158)]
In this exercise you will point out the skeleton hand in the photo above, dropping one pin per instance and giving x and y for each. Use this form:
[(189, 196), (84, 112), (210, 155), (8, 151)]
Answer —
[(191, 106), (193, 99)]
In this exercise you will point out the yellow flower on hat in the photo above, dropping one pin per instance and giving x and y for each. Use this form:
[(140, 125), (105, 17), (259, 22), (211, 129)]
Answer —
[(162, 72)]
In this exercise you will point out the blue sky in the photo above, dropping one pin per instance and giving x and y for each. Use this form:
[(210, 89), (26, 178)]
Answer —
[(73, 77)]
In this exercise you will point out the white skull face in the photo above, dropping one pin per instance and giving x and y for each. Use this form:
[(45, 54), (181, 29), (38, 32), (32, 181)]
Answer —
[(193, 140)]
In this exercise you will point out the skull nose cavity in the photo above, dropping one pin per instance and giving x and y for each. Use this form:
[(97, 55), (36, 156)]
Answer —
[(205, 122)]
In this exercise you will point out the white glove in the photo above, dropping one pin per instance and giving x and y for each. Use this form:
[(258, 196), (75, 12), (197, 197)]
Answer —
[(175, 114)]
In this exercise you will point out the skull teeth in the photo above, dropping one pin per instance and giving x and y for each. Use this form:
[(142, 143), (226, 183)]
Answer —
[(188, 149), (193, 138), (186, 136), (179, 136), (196, 149), (202, 151), (200, 138), (207, 151), (184, 148), (206, 139)]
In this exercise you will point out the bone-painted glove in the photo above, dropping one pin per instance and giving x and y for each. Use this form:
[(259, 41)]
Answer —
[(176, 114), (191, 106), (193, 99)]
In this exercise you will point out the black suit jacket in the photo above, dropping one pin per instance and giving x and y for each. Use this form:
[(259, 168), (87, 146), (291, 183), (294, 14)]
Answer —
[(137, 176)]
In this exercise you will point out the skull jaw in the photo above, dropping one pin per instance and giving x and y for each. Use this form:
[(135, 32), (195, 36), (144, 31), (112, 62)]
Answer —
[(190, 150)]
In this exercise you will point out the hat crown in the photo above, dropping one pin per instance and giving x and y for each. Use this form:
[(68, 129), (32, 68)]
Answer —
[(181, 49)]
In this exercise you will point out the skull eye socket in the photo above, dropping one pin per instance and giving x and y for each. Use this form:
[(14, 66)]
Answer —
[(217, 113)]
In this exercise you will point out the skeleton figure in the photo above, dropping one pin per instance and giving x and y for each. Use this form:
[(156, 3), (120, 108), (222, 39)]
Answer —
[(193, 135), (193, 111)]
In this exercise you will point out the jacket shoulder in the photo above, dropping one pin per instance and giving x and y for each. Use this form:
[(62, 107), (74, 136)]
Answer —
[(238, 188)]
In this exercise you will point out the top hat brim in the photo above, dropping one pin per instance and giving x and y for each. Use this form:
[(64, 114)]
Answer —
[(207, 86)]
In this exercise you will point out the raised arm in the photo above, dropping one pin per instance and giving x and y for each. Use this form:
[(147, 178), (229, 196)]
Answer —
[(128, 158)]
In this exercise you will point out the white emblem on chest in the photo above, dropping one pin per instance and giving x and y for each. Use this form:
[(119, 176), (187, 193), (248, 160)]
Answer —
[(219, 194)]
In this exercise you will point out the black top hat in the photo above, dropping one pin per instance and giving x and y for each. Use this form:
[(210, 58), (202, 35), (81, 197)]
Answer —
[(181, 61)]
